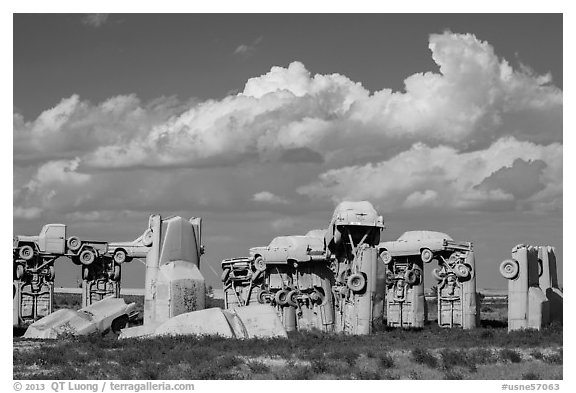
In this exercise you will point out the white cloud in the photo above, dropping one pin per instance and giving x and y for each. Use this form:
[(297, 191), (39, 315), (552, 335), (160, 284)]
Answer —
[(443, 177), (475, 99), (436, 144), (74, 127), (248, 49), (95, 20), (268, 197)]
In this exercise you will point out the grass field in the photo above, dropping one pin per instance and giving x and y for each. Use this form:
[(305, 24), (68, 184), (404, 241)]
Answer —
[(488, 352)]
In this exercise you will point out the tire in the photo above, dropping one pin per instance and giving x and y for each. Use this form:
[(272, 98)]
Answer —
[(461, 271), (411, 277), (26, 252), (118, 324), (262, 296), (540, 267), (225, 275), (317, 296), (116, 273), (120, 256), (509, 269), (259, 263), (386, 256), (426, 255), (19, 271), (147, 238), (51, 273), (437, 274), (281, 297), (291, 298), (73, 243), (356, 282), (86, 273), (87, 256)]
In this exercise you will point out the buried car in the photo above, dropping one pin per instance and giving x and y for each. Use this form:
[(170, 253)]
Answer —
[(102, 316), (427, 244)]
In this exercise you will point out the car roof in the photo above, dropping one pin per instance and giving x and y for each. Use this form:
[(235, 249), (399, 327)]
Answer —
[(424, 235)]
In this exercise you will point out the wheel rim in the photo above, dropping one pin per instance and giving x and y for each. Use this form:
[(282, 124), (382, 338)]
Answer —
[(119, 256), (87, 257), (26, 252), (426, 255)]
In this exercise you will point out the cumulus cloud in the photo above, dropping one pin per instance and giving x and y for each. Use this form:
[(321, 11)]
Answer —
[(478, 134), (95, 20), (474, 100), (508, 174), (75, 127), (268, 197)]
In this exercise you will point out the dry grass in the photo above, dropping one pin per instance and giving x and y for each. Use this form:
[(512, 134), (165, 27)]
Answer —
[(488, 352)]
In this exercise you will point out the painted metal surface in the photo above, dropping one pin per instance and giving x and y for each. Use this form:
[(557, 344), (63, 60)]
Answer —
[(455, 275), (33, 288), (100, 280), (256, 321), (330, 280), (458, 303), (549, 282), (173, 283), (405, 303), (528, 305), (109, 313)]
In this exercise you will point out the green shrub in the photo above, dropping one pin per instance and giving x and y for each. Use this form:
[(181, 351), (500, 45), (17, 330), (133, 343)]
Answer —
[(257, 367), (510, 355), (537, 355), (530, 376), (385, 360), (423, 356)]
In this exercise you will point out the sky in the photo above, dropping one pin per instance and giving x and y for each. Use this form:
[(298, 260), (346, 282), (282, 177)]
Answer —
[(260, 124)]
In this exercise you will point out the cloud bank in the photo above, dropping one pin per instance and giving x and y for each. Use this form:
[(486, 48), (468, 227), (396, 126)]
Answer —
[(477, 135)]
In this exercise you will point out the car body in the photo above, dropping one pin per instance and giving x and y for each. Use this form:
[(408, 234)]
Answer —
[(126, 251), (417, 242), (358, 221), (102, 316), (52, 242), (286, 249)]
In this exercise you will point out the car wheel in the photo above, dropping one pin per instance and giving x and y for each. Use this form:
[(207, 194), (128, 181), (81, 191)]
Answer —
[(509, 269), (26, 252), (86, 273), (120, 256), (118, 324), (19, 271), (281, 297), (73, 243), (386, 256), (291, 298), (259, 263), (356, 282), (87, 256), (147, 237), (263, 296), (51, 273), (426, 255), (225, 275), (438, 274), (461, 271), (116, 273), (411, 277)]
